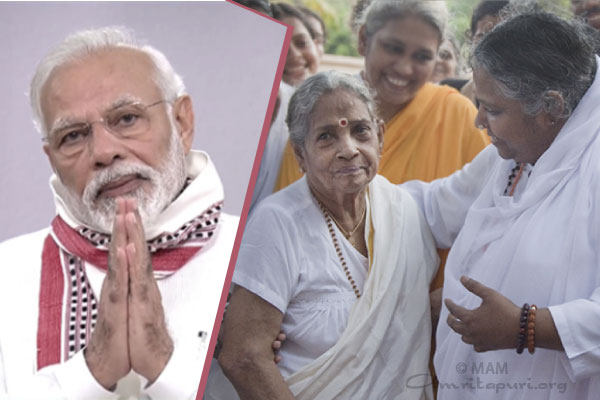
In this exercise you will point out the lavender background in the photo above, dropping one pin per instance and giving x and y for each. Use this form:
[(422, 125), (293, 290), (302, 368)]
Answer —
[(226, 55)]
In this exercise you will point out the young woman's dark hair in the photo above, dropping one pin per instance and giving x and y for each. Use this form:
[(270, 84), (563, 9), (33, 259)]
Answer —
[(262, 6), (283, 10), (483, 9)]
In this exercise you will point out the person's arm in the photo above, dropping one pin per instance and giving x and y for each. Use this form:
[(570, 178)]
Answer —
[(445, 202), (131, 332), (70, 380), (435, 301), (246, 358), (95, 371), (578, 325), (180, 377), (18, 377), (73, 380), (578, 320)]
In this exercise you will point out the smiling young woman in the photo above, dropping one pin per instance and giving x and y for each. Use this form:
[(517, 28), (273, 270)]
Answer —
[(430, 130), (302, 59), (399, 58)]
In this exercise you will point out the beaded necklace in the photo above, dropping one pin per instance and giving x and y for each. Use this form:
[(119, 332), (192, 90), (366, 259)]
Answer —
[(348, 235), (338, 250), (516, 173)]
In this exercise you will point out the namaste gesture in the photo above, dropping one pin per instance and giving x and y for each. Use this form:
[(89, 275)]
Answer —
[(130, 332)]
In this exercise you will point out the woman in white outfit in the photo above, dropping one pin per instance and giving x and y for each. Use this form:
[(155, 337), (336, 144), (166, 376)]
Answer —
[(316, 261), (523, 220)]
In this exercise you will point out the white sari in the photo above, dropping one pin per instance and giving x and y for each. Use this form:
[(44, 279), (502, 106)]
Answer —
[(384, 351), (541, 247)]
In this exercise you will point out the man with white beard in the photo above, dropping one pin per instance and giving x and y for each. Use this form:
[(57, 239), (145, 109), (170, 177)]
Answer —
[(118, 297)]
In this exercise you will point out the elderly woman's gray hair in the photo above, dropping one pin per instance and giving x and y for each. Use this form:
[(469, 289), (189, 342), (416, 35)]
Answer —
[(302, 103), (533, 54), (85, 43), (379, 12)]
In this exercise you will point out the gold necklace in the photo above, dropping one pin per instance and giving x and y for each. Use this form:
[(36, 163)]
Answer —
[(328, 218), (347, 234)]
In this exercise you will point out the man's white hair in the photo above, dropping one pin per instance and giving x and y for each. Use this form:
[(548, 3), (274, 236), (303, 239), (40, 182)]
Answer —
[(89, 42)]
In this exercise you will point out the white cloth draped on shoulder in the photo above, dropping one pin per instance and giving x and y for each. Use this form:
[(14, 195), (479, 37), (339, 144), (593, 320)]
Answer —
[(384, 351)]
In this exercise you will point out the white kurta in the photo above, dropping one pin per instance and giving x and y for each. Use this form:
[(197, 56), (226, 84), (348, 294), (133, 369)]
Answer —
[(338, 347), (190, 298), (288, 259), (541, 247)]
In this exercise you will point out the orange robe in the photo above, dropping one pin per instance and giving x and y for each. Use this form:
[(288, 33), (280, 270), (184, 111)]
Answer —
[(433, 136)]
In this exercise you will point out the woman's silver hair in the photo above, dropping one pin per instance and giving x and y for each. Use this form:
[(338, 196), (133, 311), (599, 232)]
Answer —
[(379, 12), (534, 53), (89, 42), (302, 103)]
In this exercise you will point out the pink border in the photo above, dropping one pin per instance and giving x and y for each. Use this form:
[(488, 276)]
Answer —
[(249, 192)]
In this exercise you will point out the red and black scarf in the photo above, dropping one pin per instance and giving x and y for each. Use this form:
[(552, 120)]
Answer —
[(67, 304)]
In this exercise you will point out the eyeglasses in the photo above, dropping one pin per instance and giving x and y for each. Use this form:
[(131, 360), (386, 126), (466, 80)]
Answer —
[(126, 121)]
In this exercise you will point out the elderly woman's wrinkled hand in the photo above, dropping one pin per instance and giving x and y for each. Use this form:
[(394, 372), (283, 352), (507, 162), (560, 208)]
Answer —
[(494, 325)]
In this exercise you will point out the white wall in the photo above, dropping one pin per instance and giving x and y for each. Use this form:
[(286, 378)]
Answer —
[(227, 56)]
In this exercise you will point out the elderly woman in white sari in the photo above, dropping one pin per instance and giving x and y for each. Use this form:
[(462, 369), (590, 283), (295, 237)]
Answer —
[(523, 220), (316, 261)]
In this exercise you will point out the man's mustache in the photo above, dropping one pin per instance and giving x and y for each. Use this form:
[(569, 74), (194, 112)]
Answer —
[(107, 176)]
